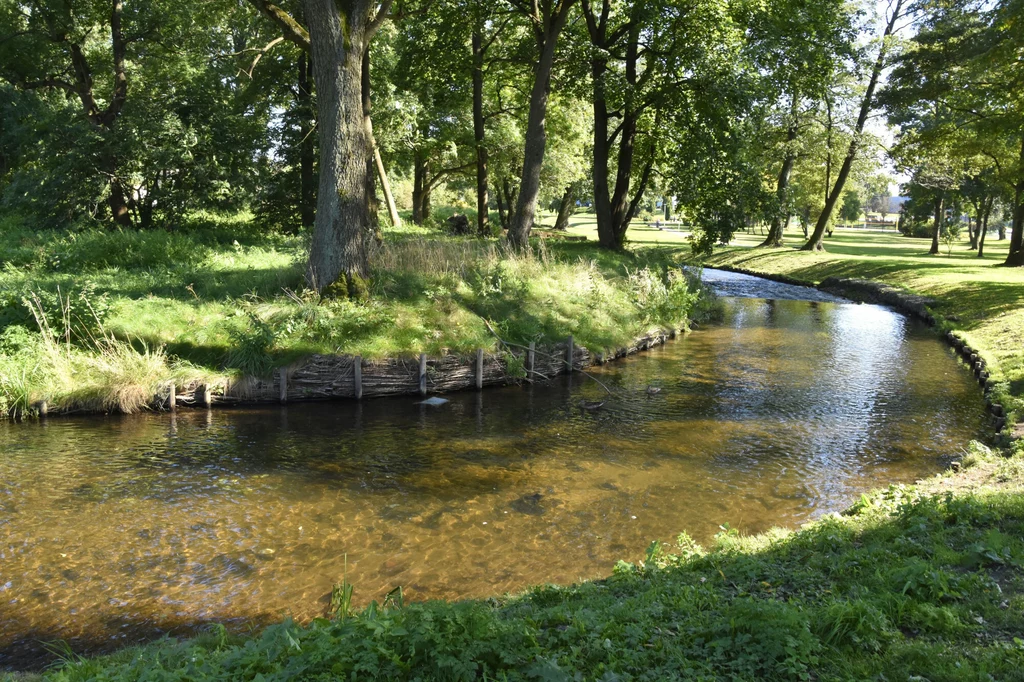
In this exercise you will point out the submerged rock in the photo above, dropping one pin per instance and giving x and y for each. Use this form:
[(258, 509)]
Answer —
[(433, 400), (529, 504)]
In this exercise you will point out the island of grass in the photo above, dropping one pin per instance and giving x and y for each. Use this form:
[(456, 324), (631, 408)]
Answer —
[(100, 320)]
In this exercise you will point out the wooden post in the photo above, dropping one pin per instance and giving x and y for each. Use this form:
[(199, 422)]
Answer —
[(569, 352), (282, 382), (530, 359), (357, 378), (479, 368), (172, 397), (205, 396), (423, 373), (44, 409)]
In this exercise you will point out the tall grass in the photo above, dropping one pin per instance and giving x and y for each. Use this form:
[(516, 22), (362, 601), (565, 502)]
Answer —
[(99, 373), (94, 320)]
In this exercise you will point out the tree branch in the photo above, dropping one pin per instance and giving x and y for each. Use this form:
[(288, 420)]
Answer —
[(292, 30)]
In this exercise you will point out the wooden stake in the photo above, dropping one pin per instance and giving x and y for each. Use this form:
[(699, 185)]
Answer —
[(530, 359), (282, 381), (423, 373), (479, 368), (357, 379), (44, 409), (206, 396), (569, 353), (172, 397)]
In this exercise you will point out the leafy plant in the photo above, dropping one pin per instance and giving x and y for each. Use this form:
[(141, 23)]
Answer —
[(251, 345)]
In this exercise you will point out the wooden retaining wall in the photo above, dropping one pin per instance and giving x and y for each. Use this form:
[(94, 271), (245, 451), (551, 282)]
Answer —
[(329, 377)]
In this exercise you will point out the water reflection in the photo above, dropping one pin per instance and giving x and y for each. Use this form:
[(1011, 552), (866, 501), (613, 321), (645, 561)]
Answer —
[(119, 528)]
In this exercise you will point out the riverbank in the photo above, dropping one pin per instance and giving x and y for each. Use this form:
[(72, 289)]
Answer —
[(912, 582), (107, 321), (976, 300)]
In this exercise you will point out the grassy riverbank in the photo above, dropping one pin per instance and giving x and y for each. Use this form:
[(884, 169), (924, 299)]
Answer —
[(920, 582), (979, 300), (99, 320)]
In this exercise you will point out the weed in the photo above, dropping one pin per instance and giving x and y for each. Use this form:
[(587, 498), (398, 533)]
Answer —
[(251, 346)]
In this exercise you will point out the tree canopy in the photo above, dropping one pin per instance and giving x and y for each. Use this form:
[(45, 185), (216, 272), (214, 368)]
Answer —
[(735, 113)]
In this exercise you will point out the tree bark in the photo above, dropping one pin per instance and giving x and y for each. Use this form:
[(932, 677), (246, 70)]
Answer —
[(373, 171), (937, 227), (778, 226), (565, 206), (1016, 255), (420, 188), (338, 35), (502, 214), (548, 24), (814, 242), (385, 185), (483, 227), (983, 229), (307, 176)]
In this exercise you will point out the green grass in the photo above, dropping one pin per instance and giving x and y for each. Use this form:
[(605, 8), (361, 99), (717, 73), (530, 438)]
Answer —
[(221, 298), (912, 583)]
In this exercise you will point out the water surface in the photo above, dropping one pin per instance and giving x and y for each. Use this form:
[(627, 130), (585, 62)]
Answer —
[(121, 528)]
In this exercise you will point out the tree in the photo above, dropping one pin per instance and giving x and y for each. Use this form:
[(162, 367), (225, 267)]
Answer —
[(851, 208), (896, 12), (798, 52), (338, 41), (547, 18), (48, 46), (959, 83)]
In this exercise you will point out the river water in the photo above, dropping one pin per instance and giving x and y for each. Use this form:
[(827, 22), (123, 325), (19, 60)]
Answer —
[(119, 529)]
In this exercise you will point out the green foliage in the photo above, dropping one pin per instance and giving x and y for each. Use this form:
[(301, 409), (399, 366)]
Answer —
[(950, 237), (221, 294), (251, 346), (851, 208)]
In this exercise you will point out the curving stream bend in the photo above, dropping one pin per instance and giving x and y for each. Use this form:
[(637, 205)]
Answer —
[(119, 529)]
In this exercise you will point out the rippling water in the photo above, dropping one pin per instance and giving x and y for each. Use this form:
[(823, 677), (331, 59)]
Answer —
[(121, 528)]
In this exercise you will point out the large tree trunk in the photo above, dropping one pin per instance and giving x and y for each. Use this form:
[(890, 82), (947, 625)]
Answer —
[(778, 226), (983, 227), (814, 242), (550, 27), (565, 206), (307, 147), (482, 224), (337, 38), (1016, 255), (420, 187), (116, 200), (372, 169), (937, 227)]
